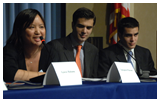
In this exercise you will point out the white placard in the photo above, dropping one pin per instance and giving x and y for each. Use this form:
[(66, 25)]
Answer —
[(122, 71), (4, 87), (63, 73)]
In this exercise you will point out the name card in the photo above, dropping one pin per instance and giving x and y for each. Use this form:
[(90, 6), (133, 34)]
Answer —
[(63, 74), (122, 71), (4, 87)]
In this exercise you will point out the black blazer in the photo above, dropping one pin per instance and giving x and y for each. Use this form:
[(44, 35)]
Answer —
[(65, 50), (14, 60), (113, 53)]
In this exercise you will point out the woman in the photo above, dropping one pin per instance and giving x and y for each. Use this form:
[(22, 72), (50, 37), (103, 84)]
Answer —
[(24, 56)]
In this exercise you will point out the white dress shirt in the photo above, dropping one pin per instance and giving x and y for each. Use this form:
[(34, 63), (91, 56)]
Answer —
[(125, 53)]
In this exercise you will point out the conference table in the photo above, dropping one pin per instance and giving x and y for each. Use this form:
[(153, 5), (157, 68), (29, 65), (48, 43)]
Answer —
[(88, 90)]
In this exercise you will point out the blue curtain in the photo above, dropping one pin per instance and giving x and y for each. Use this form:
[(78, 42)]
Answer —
[(53, 14)]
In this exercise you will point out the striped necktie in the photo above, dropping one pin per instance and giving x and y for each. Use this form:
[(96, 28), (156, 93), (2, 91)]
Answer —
[(129, 57)]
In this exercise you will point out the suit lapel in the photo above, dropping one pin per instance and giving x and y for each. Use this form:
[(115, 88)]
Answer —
[(121, 58), (87, 59), (120, 54), (138, 55), (68, 50)]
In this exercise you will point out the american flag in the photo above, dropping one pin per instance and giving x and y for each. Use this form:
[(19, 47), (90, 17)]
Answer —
[(118, 11)]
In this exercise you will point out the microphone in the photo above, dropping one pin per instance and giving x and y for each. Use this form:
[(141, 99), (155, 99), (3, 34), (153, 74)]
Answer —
[(43, 42), (139, 70)]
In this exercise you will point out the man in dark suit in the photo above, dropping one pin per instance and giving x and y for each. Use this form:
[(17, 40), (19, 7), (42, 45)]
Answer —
[(128, 29), (82, 25)]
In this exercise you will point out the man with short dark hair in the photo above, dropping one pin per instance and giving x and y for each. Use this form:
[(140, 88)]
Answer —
[(128, 30), (82, 26)]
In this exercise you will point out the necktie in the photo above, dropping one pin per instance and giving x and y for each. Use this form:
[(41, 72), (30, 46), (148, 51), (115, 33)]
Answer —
[(129, 57), (78, 61)]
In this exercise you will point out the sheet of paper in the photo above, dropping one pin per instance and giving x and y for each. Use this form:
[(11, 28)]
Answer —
[(93, 79), (122, 71), (153, 76), (4, 87), (63, 73), (127, 73), (68, 73)]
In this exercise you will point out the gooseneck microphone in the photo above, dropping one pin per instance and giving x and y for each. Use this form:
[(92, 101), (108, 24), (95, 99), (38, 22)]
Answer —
[(139, 70), (43, 42)]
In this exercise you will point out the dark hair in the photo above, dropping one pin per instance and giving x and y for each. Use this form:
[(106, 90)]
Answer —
[(128, 22), (83, 13), (22, 21)]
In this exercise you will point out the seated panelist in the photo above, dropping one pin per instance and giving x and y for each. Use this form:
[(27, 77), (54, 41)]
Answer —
[(128, 31), (24, 55), (74, 47)]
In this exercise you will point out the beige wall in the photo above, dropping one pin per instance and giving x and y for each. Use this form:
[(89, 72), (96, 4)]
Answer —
[(145, 13)]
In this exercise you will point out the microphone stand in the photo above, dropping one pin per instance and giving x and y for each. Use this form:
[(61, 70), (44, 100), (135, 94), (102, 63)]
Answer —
[(141, 75), (139, 70)]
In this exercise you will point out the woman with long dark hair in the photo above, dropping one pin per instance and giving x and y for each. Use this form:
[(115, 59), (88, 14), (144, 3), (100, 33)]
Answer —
[(24, 55)]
